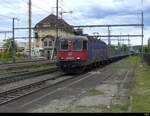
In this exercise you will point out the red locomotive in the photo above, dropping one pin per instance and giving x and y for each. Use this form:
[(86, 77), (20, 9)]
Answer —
[(77, 52)]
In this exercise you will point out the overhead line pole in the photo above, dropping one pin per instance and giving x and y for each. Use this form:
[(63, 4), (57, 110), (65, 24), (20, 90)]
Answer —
[(129, 42), (13, 40), (30, 30), (56, 25), (5, 33), (109, 42), (142, 33)]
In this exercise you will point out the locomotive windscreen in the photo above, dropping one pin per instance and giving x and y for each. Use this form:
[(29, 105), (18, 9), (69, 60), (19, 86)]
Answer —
[(77, 45), (64, 45)]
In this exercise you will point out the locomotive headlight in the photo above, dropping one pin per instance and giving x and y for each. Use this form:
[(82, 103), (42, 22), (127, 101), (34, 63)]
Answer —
[(61, 58), (78, 58)]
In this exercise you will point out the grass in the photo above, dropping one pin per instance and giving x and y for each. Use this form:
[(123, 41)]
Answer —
[(41, 68), (120, 108), (6, 75), (79, 108), (127, 63), (141, 90), (30, 70), (94, 92), (18, 59)]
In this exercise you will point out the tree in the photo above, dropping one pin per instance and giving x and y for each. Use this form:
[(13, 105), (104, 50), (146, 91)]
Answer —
[(125, 48), (9, 46), (146, 50)]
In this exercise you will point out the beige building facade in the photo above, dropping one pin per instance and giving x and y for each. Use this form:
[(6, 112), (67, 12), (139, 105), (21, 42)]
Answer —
[(42, 33), (45, 32)]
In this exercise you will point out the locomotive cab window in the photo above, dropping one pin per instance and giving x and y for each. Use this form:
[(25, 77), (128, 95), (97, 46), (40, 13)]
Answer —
[(84, 45), (77, 45), (64, 45)]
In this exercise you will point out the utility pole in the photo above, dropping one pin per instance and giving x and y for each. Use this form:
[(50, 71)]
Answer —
[(118, 45), (30, 31), (13, 40), (56, 26), (142, 32), (142, 27), (5, 33), (129, 43), (109, 42)]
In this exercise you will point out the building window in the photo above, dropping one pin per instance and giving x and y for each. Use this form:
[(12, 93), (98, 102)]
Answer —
[(50, 43), (45, 43), (46, 25), (36, 35)]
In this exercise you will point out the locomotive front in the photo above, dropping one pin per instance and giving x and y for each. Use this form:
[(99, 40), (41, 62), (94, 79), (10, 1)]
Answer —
[(72, 53)]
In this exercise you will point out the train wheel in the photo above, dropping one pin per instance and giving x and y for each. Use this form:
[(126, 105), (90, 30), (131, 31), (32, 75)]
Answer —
[(80, 70)]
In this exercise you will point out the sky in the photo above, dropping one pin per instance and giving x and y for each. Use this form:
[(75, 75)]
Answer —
[(91, 12)]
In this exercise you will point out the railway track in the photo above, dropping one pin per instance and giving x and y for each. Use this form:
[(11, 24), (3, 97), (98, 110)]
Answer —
[(24, 62), (15, 93), (22, 66), (29, 88), (26, 75), (18, 92)]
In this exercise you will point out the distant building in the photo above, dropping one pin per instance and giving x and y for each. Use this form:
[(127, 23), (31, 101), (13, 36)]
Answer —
[(48, 46), (45, 33), (1, 44), (2, 49), (24, 47)]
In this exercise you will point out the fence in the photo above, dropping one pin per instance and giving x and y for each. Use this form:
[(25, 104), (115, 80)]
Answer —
[(147, 58)]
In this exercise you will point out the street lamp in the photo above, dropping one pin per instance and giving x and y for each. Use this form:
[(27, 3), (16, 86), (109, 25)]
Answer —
[(61, 13)]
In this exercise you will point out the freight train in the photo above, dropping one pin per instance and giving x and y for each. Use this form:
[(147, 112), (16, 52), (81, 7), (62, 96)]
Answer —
[(75, 53)]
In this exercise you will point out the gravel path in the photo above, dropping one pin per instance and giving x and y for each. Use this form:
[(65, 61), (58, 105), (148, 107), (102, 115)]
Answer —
[(98, 93)]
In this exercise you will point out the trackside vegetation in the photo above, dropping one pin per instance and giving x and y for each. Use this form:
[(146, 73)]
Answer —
[(140, 90)]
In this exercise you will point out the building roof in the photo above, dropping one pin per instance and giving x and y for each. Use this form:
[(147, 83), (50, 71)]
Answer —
[(51, 22)]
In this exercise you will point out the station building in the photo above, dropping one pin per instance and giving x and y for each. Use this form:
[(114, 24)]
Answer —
[(45, 33)]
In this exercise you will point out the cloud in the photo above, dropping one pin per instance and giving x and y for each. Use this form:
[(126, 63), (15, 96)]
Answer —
[(84, 12)]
